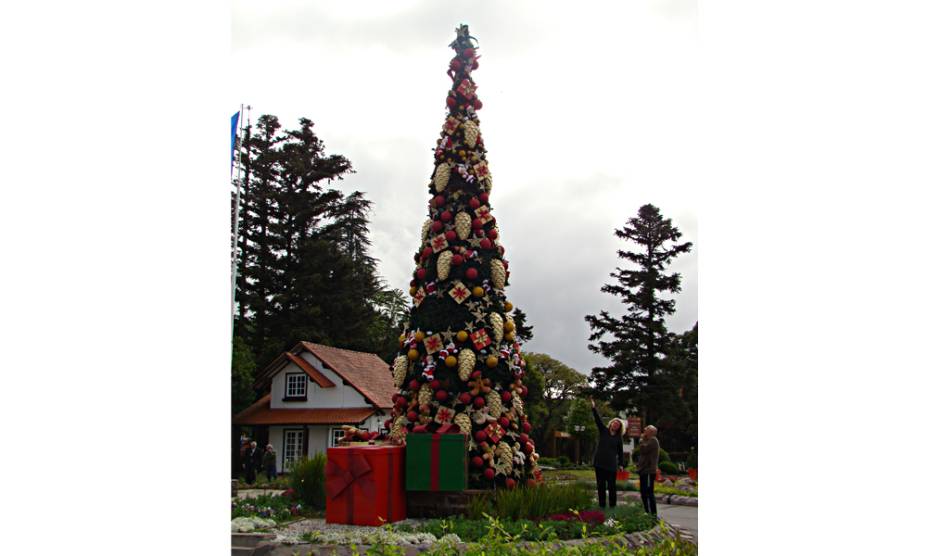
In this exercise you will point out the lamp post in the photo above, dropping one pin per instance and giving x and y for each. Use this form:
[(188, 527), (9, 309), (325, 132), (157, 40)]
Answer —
[(578, 429)]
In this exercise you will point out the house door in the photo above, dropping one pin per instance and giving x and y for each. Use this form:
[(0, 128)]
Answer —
[(292, 447)]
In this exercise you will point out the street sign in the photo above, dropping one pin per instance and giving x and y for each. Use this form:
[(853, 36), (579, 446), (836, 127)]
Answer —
[(634, 427)]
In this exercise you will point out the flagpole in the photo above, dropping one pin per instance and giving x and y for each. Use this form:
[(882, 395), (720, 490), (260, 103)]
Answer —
[(235, 217)]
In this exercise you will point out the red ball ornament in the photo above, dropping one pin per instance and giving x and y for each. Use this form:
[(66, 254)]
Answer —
[(489, 473), (485, 243), (529, 447), (401, 402), (420, 274), (479, 402), (479, 233), (439, 201), (388, 424), (480, 436), (455, 64), (364, 436), (465, 398), (441, 395), (413, 384), (505, 263), (524, 391), (472, 274), (446, 216), (435, 384), (437, 226), (484, 197), (431, 288), (493, 233), (510, 483), (524, 438), (504, 422), (506, 396), (468, 53), (476, 224), (426, 252), (474, 203), (457, 260), (477, 104), (475, 65), (451, 102), (475, 375), (501, 250), (412, 416), (451, 235), (526, 426), (476, 461)]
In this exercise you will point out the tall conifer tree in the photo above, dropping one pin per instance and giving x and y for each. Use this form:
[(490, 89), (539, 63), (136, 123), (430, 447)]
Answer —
[(637, 342)]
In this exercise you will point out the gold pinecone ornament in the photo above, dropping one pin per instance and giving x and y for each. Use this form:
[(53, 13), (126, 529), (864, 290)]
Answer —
[(462, 223), (397, 430), (426, 227), (497, 273), (444, 264), (465, 363), (504, 458), (424, 396), (494, 403), (400, 367), (517, 404), (442, 174), (462, 421), (471, 132), (498, 326)]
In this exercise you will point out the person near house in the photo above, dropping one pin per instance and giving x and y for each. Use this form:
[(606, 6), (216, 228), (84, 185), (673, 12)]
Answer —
[(270, 462), (252, 462), (609, 456), (647, 461)]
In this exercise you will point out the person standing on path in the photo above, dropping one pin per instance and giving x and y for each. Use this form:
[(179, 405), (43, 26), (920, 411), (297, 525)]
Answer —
[(647, 461), (270, 463), (609, 456), (252, 463)]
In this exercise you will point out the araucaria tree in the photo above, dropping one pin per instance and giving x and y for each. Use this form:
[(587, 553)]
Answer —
[(637, 343), (459, 363)]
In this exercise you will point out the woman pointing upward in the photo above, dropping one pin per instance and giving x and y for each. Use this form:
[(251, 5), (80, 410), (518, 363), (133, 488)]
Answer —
[(609, 456)]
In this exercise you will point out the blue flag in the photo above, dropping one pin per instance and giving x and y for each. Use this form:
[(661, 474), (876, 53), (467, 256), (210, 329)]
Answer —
[(234, 135)]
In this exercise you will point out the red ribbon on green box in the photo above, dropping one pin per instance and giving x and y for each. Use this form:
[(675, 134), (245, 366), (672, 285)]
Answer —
[(436, 462)]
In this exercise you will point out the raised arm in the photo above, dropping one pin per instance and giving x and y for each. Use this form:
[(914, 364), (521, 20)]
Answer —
[(598, 420)]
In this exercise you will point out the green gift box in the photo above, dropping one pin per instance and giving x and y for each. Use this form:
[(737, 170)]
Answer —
[(436, 461)]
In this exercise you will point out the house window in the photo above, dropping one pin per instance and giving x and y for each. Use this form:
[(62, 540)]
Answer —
[(295, 386), (337, 434), (292, 447)]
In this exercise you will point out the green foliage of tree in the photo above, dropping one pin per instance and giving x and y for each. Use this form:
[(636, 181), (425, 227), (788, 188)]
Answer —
[(560, 384), (638, 341), (679, 386), (243, 368), (579, 414)]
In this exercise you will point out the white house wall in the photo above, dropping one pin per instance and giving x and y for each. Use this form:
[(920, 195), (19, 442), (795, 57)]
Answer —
[(341, 395)]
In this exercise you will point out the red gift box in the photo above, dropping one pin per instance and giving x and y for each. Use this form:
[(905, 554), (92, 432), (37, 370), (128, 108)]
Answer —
[(364, 485)]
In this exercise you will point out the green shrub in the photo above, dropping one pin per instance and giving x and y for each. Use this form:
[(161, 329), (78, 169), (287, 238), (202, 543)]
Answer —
[(307, 478), (692, 460), (278, 508), (624, 485), (530, 503), (668, 467), (563, 461)]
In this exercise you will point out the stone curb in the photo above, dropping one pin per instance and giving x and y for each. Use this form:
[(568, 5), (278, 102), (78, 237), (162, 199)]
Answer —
[(672, 499), (629, 540)]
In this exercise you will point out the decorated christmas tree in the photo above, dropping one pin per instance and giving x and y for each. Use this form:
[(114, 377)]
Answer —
[(459, 365)]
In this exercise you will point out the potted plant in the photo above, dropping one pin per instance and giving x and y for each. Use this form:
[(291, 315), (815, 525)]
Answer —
[(692, 464)]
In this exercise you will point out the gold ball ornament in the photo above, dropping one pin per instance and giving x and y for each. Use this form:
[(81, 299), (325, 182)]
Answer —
[(412, 290), (478, 291), (419, 336), (508, 306), (462, 336), (510, 336), (509, 325), (492, 361), (413, 354), (450, 361)]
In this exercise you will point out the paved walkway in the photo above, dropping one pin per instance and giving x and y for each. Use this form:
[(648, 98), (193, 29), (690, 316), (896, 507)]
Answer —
[(683, 517)]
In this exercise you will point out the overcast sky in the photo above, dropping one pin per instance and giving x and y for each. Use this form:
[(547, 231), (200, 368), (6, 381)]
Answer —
[(587, 116)]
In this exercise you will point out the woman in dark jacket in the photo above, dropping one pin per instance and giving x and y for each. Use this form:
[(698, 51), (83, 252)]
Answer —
[(609, 457)]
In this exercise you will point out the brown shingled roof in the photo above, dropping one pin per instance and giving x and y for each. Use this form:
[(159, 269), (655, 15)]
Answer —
[(366, 372), (313, 373), (260, 413)]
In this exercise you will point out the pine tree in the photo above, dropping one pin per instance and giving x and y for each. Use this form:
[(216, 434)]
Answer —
[(638, 340), (678, 387), (459, 362)]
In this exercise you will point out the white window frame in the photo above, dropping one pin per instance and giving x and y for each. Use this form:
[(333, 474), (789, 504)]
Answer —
[(291, 456), (333, 436), (302, 379)]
